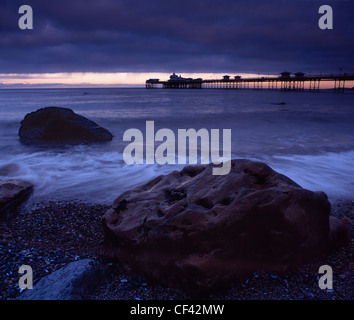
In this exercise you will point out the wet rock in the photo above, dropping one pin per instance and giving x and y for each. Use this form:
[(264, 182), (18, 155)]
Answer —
[(201, 232), (12, 193), (9, 169), (60, 125), (72, 282), (338, 234)]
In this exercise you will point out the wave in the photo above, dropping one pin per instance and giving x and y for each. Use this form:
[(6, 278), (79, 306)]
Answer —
[(331, 172), (83, 174)]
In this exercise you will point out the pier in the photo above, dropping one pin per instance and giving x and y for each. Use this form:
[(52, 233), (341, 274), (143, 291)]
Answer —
[(285, 82)]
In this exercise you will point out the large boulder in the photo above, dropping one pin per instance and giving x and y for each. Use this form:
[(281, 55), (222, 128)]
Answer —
[(12, 193), (60, 125), (201, 231)]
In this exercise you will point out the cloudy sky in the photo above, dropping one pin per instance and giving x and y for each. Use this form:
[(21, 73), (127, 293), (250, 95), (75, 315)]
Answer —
[(126, 41)]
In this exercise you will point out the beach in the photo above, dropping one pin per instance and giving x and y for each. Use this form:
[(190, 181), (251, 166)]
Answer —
[(182, 151), (53, 234), (307, 137)]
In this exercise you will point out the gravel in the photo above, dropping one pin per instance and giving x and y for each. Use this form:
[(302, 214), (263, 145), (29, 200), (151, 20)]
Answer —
[(50, 235)]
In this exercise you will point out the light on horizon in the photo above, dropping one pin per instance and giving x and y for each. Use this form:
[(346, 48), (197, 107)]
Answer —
[(93, 79), (117, 79)]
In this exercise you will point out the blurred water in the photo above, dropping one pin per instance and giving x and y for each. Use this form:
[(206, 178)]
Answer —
[(310, 138)]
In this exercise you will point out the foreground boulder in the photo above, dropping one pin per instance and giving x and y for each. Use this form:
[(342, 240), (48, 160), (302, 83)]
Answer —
[(12, 193), (60, 125), (201, 232), (72, 282)]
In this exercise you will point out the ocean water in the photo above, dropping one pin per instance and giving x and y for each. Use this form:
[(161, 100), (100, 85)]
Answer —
[(310, 138)]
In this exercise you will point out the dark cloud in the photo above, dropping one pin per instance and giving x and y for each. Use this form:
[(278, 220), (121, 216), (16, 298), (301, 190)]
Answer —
[(184, 35)]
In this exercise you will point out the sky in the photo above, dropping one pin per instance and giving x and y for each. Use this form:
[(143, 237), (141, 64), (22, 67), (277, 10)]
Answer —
[(118, 42)]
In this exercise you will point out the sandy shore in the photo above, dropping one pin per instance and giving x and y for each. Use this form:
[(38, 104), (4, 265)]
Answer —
[(52, 234)]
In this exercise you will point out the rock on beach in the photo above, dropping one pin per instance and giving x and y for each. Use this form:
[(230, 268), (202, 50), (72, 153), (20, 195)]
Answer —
[(72, 282), (12, 193), (201, 232), (60, 125)]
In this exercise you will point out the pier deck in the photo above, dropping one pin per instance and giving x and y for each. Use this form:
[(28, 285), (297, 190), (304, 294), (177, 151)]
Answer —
[(294, 83)]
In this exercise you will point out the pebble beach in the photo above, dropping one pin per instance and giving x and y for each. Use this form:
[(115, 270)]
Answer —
[(49, 235)]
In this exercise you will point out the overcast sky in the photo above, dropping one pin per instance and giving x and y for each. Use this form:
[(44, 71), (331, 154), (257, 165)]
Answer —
[(184, 36)]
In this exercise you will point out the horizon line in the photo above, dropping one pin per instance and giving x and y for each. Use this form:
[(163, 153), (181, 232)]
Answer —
[(106, 80)]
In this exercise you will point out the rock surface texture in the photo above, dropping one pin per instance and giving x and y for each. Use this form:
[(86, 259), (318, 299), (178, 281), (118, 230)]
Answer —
[(12, 193), (72, 282), (201, 232), (60, 125)]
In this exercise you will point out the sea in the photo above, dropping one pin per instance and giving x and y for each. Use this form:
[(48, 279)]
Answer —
[(308, 136)]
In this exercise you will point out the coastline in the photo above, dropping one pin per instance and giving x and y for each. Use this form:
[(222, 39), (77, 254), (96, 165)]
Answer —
[(52, 234), (184, 151)]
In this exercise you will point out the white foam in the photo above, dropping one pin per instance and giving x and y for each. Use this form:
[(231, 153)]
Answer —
[(84, 175), (331, 172)]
